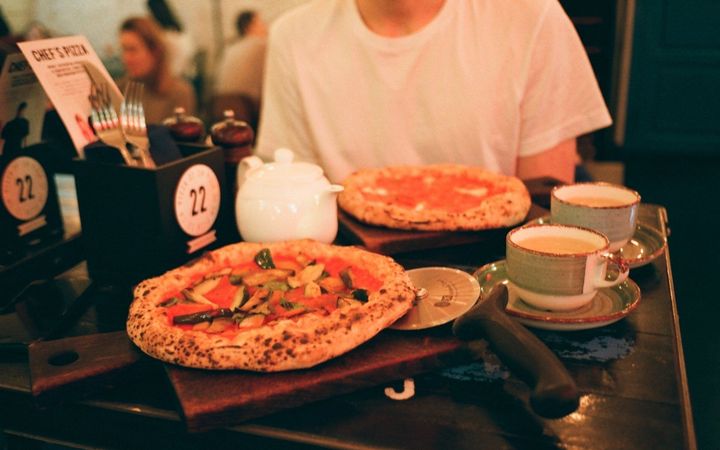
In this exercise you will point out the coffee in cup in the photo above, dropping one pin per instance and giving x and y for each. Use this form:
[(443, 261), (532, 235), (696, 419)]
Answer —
[(607, 208), (559, 267)]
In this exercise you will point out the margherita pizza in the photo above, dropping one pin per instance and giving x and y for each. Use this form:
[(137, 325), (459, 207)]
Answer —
[(435, 197), (268, 307)]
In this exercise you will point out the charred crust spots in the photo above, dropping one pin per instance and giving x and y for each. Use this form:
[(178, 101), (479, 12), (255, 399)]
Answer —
[(146, 292), (277, 346), (267, 342), (383, 291), (192, 262), (304, 340), (286, 335)]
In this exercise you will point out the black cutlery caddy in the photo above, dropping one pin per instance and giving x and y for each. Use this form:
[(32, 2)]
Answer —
[(139, 222), (29, 208)]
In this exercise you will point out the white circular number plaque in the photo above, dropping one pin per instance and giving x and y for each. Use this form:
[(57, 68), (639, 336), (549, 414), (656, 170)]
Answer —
[(24, 188), (197, 200)]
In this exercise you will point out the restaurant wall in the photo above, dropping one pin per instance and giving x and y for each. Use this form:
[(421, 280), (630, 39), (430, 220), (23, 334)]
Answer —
[(209, 22), (673, 102)]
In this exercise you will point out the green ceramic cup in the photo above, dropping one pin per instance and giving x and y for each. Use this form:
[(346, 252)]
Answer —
[(559, 267), (608, 208)]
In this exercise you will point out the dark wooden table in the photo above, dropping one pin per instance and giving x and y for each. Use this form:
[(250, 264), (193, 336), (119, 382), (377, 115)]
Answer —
[(631, 375)]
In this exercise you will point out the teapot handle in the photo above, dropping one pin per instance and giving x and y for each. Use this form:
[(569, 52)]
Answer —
[(246, 164)]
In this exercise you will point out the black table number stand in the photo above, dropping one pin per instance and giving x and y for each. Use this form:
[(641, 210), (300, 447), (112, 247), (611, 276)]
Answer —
[(29, 209), (138, 222)]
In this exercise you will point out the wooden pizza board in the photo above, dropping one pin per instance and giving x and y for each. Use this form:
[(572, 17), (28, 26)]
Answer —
[(74, 367), (71, 368), (211, 399), (388, 241)]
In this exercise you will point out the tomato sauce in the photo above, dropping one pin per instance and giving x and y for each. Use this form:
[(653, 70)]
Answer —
[(223, 294), (454, 193)]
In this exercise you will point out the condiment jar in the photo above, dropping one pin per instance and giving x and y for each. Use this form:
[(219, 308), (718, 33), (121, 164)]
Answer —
[(184, 127), (234, 136)]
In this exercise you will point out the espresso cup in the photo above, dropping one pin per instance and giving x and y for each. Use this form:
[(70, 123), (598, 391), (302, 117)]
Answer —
[(607, 208), (559, 267)]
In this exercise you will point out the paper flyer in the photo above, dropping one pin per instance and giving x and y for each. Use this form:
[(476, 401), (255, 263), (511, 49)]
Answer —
[(22, 106), (64, 67)]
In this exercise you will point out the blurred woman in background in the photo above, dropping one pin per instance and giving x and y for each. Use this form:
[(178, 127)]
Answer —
[(145, 57)]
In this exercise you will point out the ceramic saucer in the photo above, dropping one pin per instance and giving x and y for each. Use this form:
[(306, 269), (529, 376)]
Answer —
[(608, 306), (646, 244)]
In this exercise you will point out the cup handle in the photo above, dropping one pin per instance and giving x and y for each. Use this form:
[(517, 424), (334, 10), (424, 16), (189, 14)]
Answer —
[(623, 271)]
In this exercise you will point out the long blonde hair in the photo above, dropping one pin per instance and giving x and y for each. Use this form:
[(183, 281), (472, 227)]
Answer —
[(151, 35)]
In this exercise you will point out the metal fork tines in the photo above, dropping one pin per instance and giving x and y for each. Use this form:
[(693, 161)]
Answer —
[(105, 120), (132, 119)]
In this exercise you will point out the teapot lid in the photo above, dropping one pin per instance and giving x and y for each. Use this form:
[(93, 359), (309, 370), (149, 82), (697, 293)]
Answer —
[(284, 169)]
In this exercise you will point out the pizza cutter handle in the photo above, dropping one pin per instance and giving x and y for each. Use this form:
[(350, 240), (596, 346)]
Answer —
[(554, 392)]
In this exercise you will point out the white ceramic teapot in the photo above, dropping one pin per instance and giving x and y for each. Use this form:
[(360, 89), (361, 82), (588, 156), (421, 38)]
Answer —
[(285, 200)]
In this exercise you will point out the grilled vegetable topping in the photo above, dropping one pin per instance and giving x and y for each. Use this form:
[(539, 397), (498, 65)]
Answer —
[(169, 302), (360, 295), (191, 319), (346, 278), (264, 259), (257, 298), (312, 289), (193, 296), (239, 299), (289, 305)]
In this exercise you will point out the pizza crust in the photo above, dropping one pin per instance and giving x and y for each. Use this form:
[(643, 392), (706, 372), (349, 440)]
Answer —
[(505, 209), (282, 345)]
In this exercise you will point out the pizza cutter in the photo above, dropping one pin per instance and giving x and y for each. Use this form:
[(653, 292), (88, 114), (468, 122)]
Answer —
[(445, 294)]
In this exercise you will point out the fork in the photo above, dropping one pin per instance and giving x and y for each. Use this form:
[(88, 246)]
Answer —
[(105, 120), (132, 119)]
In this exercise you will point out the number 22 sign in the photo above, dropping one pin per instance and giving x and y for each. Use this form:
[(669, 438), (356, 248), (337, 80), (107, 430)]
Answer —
[(197, 200), (24, 188)]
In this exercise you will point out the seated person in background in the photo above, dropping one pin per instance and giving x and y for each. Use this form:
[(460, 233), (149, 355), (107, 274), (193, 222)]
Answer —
[(502, 85), (180, 46), (240, 72), (145, 58)]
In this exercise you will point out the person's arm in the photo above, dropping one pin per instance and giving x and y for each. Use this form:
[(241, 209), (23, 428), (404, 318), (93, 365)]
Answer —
[(560, 101), (557, 162)]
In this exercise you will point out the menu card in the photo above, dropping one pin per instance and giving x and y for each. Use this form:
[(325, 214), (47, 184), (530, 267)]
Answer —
[(64, 67), (22, 106)]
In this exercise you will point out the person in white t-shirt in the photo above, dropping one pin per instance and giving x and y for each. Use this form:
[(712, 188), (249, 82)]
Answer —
[(505, 85)]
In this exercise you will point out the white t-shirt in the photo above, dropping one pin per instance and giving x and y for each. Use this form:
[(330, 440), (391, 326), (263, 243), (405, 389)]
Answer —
[(486, 81)]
